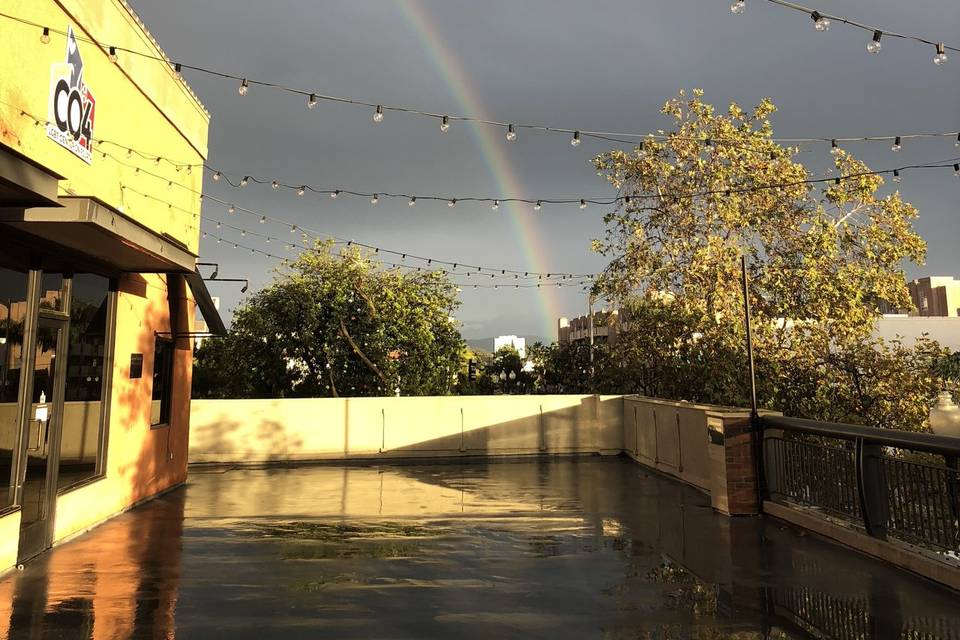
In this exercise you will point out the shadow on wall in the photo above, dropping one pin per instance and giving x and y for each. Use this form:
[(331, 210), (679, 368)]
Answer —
[(251, 431), (141, 460)]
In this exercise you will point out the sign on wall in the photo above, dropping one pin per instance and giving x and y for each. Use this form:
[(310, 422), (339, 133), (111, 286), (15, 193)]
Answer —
[(72, 106)]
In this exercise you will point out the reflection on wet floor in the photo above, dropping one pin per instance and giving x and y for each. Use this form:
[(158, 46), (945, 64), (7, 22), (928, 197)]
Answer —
[(549, 549)]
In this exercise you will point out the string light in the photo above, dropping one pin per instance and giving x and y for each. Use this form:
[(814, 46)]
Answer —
[(956, 170), (244, 181), (820, 23), (496, 205), (232, 209), (216, 176), (896, 175), (263, 219), (275, 185), (941, 56), (244, 87), (738, 7), (112, 55), (537, 206), (375, 199), (874, 45), (452, 202), (334, 194), (378, 114), (511, 133), (312, 101), (412, 202), (575, 141), (896, 145), (445, 124), (45, 36), (834, 149), (583, 203), (302, 190)]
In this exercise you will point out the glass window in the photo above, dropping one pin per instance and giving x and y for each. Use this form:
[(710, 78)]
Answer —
[(83, 423), (51, 292), (162, 378), (13, 308)]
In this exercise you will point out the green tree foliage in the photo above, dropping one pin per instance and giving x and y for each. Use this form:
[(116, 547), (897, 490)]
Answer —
[(820, 258), (336, 325)]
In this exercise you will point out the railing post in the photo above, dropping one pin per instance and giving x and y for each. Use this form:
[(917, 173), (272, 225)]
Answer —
[(756, 423), (872, 488), (953, 490)]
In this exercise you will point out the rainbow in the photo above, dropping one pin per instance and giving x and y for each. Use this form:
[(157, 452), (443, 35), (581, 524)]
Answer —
[(493, 149)]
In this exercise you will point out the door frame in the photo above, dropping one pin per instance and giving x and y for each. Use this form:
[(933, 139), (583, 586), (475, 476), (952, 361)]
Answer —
[(41, 530)]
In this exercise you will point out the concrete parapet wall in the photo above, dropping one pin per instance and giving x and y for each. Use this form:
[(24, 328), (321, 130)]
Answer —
[(261, 431)]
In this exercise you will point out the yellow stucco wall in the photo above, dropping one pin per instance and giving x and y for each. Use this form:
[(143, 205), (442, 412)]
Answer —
[(344, 428), (140, 103), (141, 460)]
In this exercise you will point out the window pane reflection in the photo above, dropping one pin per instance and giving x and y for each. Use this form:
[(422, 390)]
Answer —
[(13, 305), (51, 292), (83, 406)]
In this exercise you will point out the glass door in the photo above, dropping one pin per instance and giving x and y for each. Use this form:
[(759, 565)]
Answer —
[(41, 437)]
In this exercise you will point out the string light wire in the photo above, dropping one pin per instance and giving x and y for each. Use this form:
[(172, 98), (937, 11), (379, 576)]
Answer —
[(509, 127)]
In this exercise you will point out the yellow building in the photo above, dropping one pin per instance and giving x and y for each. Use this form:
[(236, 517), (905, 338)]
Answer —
[(102, 146)]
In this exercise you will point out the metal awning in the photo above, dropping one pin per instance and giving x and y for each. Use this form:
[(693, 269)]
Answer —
[(207, 309), (91, 228), (25, 184)]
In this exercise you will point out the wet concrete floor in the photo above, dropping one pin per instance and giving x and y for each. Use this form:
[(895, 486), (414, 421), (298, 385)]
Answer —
[(583, 548)]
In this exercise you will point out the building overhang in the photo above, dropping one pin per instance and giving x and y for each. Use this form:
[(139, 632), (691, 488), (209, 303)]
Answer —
[(24, 184), (208, 309), (99, 232)]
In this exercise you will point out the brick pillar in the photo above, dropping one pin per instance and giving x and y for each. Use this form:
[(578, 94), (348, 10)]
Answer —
[(733, 487)]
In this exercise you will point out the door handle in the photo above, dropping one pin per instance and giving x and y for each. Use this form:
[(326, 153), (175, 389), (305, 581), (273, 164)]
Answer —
[(40, 435)]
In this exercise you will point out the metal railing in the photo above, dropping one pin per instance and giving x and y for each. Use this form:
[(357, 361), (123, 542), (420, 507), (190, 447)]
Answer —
[(894, 484)]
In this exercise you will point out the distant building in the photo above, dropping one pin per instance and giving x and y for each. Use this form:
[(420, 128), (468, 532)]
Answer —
[(607, 324), (936, 296), (519, 344), (944, 330)]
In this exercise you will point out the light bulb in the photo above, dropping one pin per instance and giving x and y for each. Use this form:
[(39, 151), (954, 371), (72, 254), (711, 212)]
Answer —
[(275, 184), (130, 152), (941, 57), (45, 36), (495, 205), (375, 199), (511, 133), (820, 23), (219, 240), (896, 175), (575, 140), (244, 87), (896, 145), (738, 7), (583, 203), (537, 206), (452, 202), (156, 161), (232, 209), (112, 54), (311, 101), (957, 143), (445, 124), (263, 219), (334, 194), (268, 239), (244, 181), (219, 224), (956, 170), (834, 149), (216, 176), (302, 190), (378, 114), (874, 45), (413, 201), (293, 228), (243, 232)]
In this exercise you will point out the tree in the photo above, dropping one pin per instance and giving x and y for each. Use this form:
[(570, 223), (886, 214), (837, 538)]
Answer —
[(336, 325), (820, 258)]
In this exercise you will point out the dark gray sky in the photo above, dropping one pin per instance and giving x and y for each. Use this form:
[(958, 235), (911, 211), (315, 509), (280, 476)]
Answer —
[(602, 65)]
